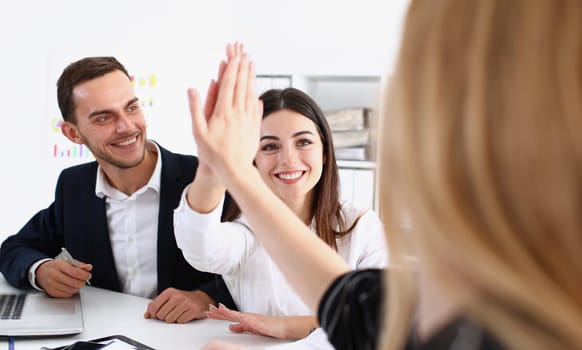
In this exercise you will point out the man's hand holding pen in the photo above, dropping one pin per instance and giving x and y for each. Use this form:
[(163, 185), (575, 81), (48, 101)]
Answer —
[(64, 276)]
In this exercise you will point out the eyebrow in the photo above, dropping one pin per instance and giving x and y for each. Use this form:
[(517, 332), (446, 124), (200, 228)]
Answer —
[(298, 133), (105, 111)]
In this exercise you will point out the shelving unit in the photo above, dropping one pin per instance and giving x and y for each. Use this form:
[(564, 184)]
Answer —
[(332, 92)]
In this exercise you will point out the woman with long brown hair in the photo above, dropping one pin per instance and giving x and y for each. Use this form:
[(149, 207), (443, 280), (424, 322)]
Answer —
[(296, 160)]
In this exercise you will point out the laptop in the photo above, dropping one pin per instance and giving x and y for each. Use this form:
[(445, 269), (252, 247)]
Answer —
[(33, 313)]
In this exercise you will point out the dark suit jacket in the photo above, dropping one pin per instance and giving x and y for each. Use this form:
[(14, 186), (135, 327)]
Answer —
[(77, 220)]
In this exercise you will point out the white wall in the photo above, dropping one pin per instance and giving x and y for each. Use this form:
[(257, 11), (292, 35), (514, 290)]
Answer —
[(181, 41)]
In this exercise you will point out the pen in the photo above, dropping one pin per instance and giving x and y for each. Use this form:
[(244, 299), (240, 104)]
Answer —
[(11, 343), (65, 255)]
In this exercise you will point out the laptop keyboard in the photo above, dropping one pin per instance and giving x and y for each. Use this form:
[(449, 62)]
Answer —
[(11, 306)]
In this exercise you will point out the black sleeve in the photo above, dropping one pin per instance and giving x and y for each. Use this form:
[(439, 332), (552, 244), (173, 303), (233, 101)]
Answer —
[(350, 310), (218, 291), (41, 237)]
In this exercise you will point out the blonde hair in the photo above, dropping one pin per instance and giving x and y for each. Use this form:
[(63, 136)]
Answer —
[(482, 146)]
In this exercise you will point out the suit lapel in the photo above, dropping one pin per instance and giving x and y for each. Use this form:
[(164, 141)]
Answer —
[(172, 184), (102, 244)]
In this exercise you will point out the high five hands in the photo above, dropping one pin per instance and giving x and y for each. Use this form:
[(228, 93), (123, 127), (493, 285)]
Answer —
[(227, 128)]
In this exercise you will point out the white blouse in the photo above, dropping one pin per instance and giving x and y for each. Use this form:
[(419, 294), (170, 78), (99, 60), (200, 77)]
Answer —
[(253, 279)]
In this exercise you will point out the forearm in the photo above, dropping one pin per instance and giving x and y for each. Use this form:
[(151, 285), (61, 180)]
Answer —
[(299, 327), (205, 192), (307, 262)]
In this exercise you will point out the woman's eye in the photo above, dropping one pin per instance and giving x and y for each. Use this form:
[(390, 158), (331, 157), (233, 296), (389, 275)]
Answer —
[(268, 147), (304, 142)]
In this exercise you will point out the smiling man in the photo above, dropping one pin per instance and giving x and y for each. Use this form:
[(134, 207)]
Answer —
[(114, 215)]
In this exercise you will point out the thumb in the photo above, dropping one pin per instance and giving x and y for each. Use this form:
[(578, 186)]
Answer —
[(236, 328), (199, 123)]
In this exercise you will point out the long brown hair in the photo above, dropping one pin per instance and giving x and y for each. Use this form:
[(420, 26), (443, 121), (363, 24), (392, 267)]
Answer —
[(482, 145), (326, 207)]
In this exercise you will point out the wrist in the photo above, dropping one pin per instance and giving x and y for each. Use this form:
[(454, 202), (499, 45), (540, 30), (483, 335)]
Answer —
[(32, 273), (203, 298), (300, 327)]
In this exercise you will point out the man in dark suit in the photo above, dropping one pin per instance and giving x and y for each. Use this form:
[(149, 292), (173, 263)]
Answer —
[(114, 215)]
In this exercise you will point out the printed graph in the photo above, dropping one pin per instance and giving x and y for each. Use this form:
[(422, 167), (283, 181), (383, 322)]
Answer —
[(64, 149), (74, 151), (145, 88)]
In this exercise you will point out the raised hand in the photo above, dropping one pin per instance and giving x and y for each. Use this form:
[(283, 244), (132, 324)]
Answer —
[(227, 132)]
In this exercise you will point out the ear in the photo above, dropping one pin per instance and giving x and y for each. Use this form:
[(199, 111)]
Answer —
[(70, 131)]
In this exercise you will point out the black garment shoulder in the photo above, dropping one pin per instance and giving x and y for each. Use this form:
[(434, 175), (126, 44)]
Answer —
[(350, 310)]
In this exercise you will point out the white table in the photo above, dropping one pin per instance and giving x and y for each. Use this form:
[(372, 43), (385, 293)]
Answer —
[(108, 313)]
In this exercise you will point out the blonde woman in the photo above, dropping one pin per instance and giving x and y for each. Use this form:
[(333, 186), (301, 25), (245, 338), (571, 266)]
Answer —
[(482, 150)]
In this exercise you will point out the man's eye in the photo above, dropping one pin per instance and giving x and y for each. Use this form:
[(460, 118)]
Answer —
[(102, 118)]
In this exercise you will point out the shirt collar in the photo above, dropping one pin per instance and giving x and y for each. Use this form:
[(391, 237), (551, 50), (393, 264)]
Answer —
[(104, 189)]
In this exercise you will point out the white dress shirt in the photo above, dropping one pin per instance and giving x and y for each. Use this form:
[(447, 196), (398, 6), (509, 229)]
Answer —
[(133, 230), (253, 279)]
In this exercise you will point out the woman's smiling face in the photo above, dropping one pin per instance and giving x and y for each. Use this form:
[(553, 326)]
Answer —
[(290, 156)]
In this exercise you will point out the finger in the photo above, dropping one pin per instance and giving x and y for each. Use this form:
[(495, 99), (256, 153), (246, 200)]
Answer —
[(240, 95), (213, 309), (241, 328), (188, 316), (62, 290), (237, 328), (216, 314), (165, 310), (228, 312), (199, 123), (155, 305), (221, 68), (218, 317), (213, 91), (230, 50), (239, 48), (81, 273), (228, 83), (72, 277), (210, 99), (174, 314), (252, 98), (233, 50), (83, 265)]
